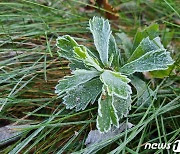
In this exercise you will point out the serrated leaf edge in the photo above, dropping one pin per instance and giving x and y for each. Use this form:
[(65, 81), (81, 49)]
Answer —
[(153, 51), (100, 114), (76, 72)]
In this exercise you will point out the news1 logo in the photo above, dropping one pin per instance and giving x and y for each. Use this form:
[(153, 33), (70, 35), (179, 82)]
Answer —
[(174, 146)]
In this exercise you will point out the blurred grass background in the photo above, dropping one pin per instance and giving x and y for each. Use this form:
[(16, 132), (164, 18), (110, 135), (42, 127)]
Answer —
[(30, 68)]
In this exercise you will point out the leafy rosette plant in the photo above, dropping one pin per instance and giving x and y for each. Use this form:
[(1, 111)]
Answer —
[(104, 75)]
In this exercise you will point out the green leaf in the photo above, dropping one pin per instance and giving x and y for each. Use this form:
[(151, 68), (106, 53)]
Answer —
[(76, 64), (114, 53), (162, 73), (101, 31), (146, 45), (116, 84), (152, 31), (106, 113), (125, 43), (122, 106), (83, 55), (144, 92), (167, 36), (81, 95), (77, 54), (66, 45), (153, 60), (79, 77), (80, 52)]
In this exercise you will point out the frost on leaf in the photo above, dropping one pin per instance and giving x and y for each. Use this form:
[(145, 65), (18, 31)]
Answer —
[(76, 64), (116, 83), (66, 45), (144, 92), (125, 43), (114, 54), (122, 106), (153, 60), (145, 46), (78, 55), (95, 136), (69, 82), (82, 54), (83, 94), (106, 113), (101, 31), (150, 31)]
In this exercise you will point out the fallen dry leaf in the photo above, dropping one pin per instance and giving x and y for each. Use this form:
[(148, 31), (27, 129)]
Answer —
[(111, 12), (95, 136)]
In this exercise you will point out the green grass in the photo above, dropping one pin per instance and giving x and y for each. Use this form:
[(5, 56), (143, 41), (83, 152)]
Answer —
[(30, 68)]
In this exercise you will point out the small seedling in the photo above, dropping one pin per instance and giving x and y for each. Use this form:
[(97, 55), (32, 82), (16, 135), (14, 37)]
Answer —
[(105, 75)]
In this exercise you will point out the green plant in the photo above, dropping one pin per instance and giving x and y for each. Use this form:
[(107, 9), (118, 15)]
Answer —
[(106, 76)]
